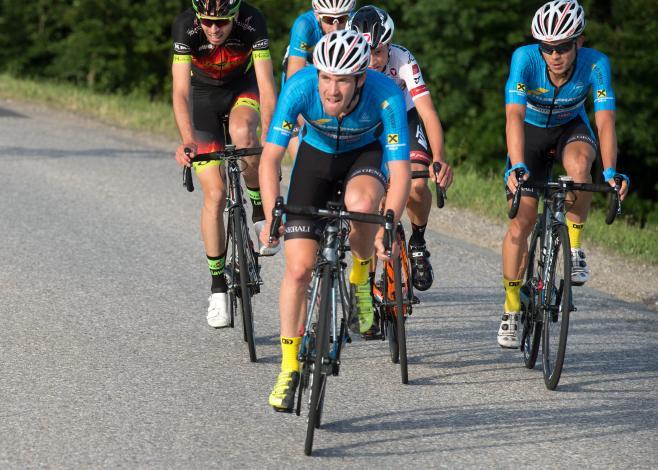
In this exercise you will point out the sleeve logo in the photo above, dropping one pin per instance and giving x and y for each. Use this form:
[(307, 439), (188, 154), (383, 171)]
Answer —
[(181, 48), (601, 93), (287, 125), (393, 138), (520, 87)]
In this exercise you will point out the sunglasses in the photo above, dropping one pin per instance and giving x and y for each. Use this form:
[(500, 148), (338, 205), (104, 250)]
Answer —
[(560, 48), (331, 20), (219, 22)]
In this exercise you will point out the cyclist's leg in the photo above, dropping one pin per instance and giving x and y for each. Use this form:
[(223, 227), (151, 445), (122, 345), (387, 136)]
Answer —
[(578, 151), (515, 242), (243, 124), (363, 193), (419, 204), (208, 104)]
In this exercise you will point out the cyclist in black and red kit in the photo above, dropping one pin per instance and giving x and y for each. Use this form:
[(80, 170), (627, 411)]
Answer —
[(221, 65)]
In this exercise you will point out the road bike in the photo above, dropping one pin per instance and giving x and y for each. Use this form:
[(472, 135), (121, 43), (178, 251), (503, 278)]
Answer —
[(242, 269), (546, 294), (396, 278), (328, 307)]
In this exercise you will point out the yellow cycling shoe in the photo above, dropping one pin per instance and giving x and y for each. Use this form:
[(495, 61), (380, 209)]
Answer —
[(282, 397)]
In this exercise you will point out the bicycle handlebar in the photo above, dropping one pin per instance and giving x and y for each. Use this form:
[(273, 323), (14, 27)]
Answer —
[(387, 221), (614, 203), (228, 153), (440, 192)]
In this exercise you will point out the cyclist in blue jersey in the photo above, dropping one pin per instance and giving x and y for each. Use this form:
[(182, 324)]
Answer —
[(354, 136), (325, 17), (546, 92)]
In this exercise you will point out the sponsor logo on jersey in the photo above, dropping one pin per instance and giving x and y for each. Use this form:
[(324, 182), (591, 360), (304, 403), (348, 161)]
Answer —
[(181, 48), (385, 104), (321, 121), (287, 125), (393, 138), (415, 69), (261, 44), (601, 93), (298, 229), (520, 87), (246, 24), (305, 47), (538, 91)]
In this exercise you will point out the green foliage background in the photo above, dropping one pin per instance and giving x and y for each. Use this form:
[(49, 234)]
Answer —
[(463, 46)]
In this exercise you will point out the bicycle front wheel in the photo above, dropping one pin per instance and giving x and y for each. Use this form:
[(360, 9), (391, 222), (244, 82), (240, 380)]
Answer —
[(557, 305), (319, 376), (401, 334), (531, 321), (241, 234)]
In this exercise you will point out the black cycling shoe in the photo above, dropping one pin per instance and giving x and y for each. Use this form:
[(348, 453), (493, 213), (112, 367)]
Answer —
[(422, 274)]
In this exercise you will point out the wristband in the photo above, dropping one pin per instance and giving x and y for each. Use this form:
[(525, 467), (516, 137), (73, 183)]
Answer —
[(518, 166), (609, 173)]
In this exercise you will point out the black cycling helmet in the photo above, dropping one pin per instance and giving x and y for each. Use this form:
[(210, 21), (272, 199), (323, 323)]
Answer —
[(374, 23), (216, 8)]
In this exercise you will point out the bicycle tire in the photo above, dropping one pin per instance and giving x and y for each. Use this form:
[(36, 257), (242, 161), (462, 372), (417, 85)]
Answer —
[(399, 316), (239, 223), (321, 349), (531, 324), (557, 307)]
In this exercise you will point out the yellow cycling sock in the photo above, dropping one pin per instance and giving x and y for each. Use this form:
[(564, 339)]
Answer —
[(512, 295), (360, 270), (289, 351), (575, 230)]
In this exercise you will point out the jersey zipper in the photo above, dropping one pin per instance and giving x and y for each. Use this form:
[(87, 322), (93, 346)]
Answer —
[(550, 111), (338, 120)]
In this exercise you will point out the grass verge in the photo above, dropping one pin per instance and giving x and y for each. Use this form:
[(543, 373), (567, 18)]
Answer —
[(481, 194)]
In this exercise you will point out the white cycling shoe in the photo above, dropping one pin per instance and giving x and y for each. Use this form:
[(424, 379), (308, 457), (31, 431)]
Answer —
[(262, 249), (218, 315), (508, 331), (579, 269)]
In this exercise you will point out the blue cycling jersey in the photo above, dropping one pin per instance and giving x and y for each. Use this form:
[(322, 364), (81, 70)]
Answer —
[(549, 106), (305, 34), (381, 114)]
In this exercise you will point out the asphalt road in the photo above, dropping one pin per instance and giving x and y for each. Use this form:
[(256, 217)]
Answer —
[(106, 360)]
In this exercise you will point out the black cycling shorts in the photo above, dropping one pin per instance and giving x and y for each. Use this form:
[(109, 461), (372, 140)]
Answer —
[(318, 177), (544, 143), (211, 103), (420, 151)]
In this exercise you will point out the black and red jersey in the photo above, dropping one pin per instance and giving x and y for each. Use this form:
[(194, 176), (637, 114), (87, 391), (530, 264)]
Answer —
[(228, 62)]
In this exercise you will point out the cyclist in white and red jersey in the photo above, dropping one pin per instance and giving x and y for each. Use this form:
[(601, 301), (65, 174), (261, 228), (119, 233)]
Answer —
[(425, 131)]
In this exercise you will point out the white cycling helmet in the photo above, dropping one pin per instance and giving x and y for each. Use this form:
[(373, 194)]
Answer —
[(558, 20), (374, 23), (343, 52), (333, 7)]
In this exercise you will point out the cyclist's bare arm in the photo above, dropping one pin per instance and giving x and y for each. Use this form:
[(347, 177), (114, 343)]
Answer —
[(605, 125), (267, 91), (268, 176), (430, 118), (515, 115), (295, 64), (396, 197), (180, 72)]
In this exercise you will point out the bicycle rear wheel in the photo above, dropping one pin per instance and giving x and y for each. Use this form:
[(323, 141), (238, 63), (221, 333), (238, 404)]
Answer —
[(557, 305), (244, 300), (531, 321), (319, 376), (401, 334)]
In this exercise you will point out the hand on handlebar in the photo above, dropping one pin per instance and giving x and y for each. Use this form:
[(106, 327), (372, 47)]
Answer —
[(444, 177), (265, 237), (381, 251), (512, 176), (185, 153), (620, 183)]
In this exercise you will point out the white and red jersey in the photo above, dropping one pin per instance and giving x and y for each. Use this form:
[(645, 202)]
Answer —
[(403, 69)]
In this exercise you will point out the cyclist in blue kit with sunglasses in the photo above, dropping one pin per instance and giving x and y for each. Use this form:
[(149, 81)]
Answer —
[(545, 97), (325, 17)]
